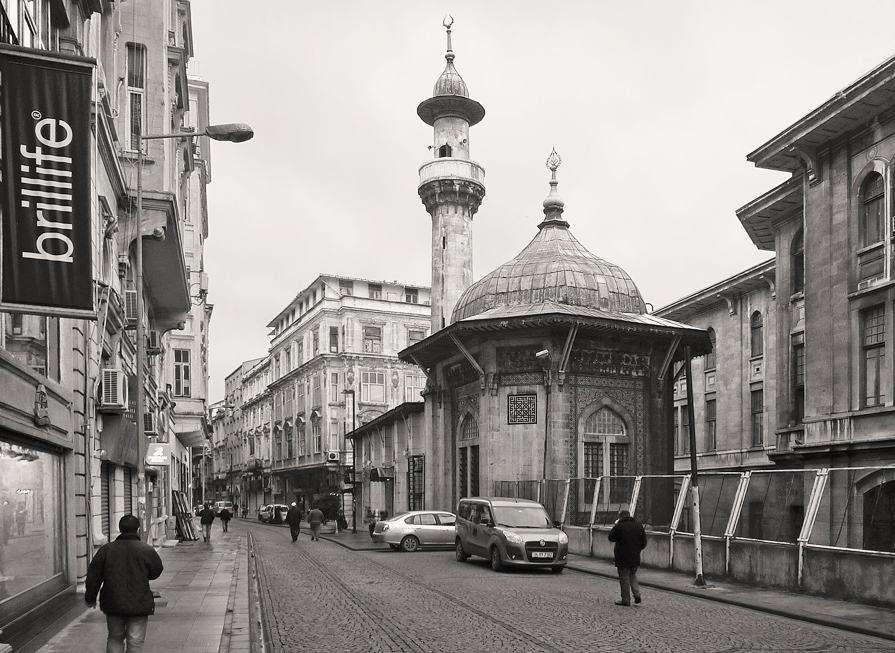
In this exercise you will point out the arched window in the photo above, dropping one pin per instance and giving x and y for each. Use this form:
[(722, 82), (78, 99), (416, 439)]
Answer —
[(710, 357), (872, 202), (797, 254), (444, 151), (605, 444), (757, 330)]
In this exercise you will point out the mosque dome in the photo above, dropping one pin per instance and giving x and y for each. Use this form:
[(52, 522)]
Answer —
[(553, 269)]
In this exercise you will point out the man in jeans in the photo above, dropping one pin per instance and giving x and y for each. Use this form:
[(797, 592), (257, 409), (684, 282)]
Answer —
[(206, 518), (123, 569), (630, 540)]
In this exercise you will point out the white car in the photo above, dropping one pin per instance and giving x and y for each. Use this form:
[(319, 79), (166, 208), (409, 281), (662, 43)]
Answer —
[(411, 530)]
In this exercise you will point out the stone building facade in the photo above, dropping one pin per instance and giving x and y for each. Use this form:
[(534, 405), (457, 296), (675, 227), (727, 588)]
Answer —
[(69, 435)]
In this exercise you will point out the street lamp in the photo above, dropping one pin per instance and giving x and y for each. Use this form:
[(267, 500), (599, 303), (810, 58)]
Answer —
[(353, 462), (234, 133)]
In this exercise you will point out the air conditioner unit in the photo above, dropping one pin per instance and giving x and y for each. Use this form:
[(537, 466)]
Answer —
[(149, 424), (113, 391), (130, 307), (154, 342), (332, 457)]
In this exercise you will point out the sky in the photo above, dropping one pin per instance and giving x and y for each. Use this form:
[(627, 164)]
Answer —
[(653, 106)]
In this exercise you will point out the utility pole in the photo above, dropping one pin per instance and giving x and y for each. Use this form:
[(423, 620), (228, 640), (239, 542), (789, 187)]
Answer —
[(694, 473)]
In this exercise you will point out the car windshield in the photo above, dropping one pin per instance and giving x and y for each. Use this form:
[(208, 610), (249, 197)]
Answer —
[(521, 517)]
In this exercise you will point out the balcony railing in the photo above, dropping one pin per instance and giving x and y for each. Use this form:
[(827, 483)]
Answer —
[(451, 168)]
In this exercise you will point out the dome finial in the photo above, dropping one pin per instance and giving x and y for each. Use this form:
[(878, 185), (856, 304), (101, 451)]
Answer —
[(553, 205), (448, 21)]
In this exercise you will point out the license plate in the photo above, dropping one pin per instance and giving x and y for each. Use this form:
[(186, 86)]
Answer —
[(541, 554)]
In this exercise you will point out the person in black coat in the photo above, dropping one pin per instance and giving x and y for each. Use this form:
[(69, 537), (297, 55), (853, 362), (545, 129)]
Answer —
[(206, 518), (120, 573), (293, 518), (630, 539), (225, 516)]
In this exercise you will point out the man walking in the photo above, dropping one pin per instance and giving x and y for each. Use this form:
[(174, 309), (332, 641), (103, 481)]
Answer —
[(225, 516), (123, 569), (293, 518), (315, 518), (630, 540), (206, 518)]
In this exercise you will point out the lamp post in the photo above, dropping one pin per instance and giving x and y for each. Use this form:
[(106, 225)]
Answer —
[(353, 462), (234, 133)]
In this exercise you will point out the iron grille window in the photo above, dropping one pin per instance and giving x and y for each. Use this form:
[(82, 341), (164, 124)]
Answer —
[(463, 471), (874, 341), (474, 471), (416, 483), (470, 428), (593, 459), (757, 418)]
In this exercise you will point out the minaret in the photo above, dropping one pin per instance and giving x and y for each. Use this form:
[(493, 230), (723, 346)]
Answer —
[(451, 186)]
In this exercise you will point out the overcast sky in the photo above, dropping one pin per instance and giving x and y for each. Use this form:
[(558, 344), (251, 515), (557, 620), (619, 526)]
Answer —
[(653, 106)]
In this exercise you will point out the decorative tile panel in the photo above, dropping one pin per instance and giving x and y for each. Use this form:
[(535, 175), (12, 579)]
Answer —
[(522, 409)]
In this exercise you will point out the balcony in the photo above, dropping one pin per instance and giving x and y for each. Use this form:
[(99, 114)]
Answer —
[(449, 168)]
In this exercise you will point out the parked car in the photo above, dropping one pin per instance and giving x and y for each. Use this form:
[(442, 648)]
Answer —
[(409, 531), (509, 532), (220, 505), (273, 513)]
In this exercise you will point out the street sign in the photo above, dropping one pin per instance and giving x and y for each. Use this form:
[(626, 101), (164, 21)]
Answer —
[(158, 454)]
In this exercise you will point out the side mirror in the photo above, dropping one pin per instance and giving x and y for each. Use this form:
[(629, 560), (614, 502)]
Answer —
[(557, 524)]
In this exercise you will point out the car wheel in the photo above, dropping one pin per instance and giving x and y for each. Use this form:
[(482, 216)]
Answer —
[(410, 544), (496, 562), (461, 554), (557, 569)]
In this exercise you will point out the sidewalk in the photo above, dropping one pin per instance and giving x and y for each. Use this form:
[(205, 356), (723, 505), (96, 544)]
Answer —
[(203, 607), (854, 617)]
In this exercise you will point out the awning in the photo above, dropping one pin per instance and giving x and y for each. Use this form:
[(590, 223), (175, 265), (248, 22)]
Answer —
[(118, 440)]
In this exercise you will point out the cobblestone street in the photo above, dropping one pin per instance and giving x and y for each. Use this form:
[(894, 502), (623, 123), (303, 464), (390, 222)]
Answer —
[(323, 597)]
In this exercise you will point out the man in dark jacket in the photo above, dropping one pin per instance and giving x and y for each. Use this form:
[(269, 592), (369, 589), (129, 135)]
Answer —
[(123, 569), (630, 540), (206, 518), (225, 516), (315, 518), (293, 518)]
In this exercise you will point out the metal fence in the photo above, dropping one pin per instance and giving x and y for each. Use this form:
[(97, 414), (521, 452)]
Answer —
[(845, 508)]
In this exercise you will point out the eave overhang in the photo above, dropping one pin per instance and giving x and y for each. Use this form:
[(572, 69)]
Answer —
[(849, 109), (760, 216), (590, 321), (757, 277), (399, 412)]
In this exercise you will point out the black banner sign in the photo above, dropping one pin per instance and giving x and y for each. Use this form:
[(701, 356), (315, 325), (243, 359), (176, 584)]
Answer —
[(47, 244)]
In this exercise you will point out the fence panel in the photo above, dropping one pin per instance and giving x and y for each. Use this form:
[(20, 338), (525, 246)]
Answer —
[(581, 497), (857, 510), (529, 490), (716, 498), (656, 501), (554, 497), (615, 494), (774, 506), (505, 489)]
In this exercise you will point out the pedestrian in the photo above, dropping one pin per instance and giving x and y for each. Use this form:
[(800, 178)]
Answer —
[(630, 539), (120, 573), (206, 518), (21, 518), (8, 520), (293, 518), (315, 518), (245, 511), (225, 516), (236, 510)]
